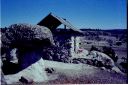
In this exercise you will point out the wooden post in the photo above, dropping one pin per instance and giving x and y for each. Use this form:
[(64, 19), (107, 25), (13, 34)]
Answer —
[(75, 43), (65, 25)]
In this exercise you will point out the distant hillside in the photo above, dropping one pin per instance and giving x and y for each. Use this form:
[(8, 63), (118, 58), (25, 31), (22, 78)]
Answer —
[(115, 31), (118, 34), (112, 31)]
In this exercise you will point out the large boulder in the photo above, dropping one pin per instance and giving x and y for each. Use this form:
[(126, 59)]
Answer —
[(97, 59), (22, 45), (103, 58)]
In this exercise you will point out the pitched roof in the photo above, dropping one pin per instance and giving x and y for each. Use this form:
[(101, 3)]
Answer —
[(52, 22)]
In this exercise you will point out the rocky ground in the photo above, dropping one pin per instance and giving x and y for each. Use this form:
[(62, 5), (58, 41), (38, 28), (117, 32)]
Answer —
[(83, 73), (64, 73)]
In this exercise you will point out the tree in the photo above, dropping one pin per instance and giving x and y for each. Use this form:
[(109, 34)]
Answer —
[(110, 42)]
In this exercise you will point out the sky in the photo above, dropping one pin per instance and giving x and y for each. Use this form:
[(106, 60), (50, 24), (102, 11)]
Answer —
[(95, 14)]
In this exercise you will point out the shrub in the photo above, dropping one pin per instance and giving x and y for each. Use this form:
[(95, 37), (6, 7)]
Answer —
[(118, 43), (94, 48), (110, 52), (110, 42), (56, 54)]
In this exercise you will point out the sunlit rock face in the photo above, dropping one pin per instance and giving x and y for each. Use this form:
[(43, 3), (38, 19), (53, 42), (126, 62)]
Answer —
[(35, 72), (2, 79)]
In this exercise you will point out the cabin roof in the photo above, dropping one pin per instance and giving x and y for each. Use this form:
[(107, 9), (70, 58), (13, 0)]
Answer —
[(52, 22)]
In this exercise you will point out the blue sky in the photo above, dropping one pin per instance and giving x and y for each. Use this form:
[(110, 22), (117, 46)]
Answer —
[(103, 14)]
